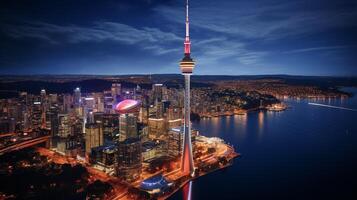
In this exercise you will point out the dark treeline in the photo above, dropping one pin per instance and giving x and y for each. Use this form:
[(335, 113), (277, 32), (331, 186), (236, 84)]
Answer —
[(27, 175)]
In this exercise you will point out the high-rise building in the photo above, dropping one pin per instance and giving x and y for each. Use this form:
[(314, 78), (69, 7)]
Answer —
[(154, 150), (157, 92), (159, 105), (174, 113), (93, 136), (144, 110), (23, 98), (36, 114), (90, 117), (27, 121), (89, 103), (76, 128), (127, 126), (110, 125), (64, 128), (98, 117), (44, 107), (174, 123), (67, 103), (100, 104), (187, 64), (116, 92), (109, 102), (129, 159), (129, 111), (157, 128), (43, 95), (52, 99), (52, 120), (104, 157), (175, 141), (77, 97)]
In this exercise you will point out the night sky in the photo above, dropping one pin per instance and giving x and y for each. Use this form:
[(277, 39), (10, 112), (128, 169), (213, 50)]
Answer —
[(233, 37)]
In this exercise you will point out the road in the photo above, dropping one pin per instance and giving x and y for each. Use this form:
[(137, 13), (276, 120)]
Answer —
[(120, 189), (24, 144)]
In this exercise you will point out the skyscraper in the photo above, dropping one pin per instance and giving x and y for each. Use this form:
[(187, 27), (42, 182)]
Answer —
[(110, 125), (116, 89), (127, 126), (175, 141), (63, 125), (187, 64), (36, 113), (129, 159), (128, 111), (77, 97), (93, 136), (44, 105), (158, 92)]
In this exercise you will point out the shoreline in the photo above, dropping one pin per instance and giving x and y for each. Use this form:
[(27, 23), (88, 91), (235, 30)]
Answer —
[(268, 108), (229, 163), (120, 189), (192, 179)]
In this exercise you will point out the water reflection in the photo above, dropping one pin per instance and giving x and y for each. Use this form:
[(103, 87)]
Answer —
[(260, 124), (240, 121), (187, 190), (216, 124)]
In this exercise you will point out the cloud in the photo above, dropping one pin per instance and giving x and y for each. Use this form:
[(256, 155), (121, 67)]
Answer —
[(221, 49), (262, 20), (149, 38), (250, 33), (161, 50), (322, 48), (230, 37)]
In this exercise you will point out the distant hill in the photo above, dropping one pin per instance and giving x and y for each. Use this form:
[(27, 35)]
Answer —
[(10, 85)]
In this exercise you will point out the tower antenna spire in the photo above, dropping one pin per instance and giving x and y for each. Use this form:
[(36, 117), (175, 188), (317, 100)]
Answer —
[(187, 42), (187, 21)]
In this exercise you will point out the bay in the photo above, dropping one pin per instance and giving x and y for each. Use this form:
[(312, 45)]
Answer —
[(305, 152)]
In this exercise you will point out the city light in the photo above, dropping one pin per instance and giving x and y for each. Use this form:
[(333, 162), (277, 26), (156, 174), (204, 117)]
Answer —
[(86, 113)]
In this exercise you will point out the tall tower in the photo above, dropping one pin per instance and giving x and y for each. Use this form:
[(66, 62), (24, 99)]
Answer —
[(187, 65)]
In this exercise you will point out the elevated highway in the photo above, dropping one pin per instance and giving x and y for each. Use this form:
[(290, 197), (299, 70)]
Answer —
[(25, 144)]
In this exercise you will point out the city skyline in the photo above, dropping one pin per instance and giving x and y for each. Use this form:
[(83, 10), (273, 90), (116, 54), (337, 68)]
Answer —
[(92, 105), (141, 37)]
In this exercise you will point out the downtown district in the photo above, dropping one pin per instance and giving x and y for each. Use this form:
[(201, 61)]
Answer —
[(129, 139)]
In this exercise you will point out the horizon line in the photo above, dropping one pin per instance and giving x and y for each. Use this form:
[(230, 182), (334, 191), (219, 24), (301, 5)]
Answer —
[(154, 74)]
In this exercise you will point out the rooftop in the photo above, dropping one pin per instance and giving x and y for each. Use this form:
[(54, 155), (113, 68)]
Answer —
[(127, 106), (157, 183)]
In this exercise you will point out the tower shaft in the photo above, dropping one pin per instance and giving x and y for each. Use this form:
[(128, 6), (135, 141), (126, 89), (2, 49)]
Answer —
[(187, 166), (187, 65)]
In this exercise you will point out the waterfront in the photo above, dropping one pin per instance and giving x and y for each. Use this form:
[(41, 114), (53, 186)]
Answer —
[(305, 152)]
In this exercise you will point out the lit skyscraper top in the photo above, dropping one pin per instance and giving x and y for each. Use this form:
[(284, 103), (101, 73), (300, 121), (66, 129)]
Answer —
[(77, 96)]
